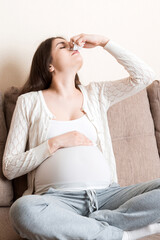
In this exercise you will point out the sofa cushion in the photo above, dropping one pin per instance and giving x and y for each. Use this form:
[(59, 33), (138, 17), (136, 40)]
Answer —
[(6, 191), (133, 138), (153, 92), (7, 231), (10, 98)]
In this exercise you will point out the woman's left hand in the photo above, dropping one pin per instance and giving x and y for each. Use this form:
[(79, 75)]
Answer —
[(89, 40)]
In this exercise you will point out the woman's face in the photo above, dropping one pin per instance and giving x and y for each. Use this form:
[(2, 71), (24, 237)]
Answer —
[(63, 58)]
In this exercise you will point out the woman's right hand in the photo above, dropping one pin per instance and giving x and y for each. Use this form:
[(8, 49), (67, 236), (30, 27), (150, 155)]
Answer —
[(69, 139), (89, 40)]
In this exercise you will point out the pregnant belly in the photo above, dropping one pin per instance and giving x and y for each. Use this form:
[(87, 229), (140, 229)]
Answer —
[(73, 164)]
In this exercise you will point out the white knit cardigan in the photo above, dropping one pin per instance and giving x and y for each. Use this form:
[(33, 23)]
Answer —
[(27, 144)]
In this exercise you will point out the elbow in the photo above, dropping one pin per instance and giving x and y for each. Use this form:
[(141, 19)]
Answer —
[(150, 76), (8, 174), (145, 79)]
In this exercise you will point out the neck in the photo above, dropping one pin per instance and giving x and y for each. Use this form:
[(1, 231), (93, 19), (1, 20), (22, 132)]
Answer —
[(64, 85)]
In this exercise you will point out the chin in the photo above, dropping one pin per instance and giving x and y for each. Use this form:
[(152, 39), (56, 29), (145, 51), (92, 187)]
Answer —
[(80, 65), (79, 68)]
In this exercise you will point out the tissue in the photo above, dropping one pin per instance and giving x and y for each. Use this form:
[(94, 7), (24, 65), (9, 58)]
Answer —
[(77, 47)]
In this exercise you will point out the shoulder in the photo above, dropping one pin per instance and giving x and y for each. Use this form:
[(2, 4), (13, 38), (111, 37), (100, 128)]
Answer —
[(92, 88), (30, 96), (28, 100), (86, 88)]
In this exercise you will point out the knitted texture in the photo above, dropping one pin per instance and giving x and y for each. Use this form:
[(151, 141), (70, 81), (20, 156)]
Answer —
[(27, 144)]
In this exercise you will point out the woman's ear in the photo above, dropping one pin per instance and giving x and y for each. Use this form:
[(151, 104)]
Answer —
[(51, 68)]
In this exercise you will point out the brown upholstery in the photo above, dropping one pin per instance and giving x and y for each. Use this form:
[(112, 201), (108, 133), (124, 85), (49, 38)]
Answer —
[(6, 230), (134, 143), (6, 191), (10, 98), (153, 91)]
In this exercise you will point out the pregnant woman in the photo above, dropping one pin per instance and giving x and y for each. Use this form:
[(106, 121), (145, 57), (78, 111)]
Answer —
[(59, 137)]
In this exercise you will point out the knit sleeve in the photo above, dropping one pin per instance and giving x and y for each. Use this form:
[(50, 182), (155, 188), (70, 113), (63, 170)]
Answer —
[(17, 161), (140, 76)]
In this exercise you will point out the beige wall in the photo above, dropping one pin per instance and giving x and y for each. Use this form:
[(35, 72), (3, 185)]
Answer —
[(135, 24)]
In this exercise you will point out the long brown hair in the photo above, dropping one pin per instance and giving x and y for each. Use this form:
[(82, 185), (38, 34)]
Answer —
[(40, 78)]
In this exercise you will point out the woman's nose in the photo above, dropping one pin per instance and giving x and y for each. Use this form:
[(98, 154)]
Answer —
[(70, 45)]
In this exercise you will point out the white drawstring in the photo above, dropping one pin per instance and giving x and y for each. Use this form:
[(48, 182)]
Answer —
[(93, 204)]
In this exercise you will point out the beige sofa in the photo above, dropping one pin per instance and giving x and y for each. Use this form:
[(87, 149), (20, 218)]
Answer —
[(135, 130)]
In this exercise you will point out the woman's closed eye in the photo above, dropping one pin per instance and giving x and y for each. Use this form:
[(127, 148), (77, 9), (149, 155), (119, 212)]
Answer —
[(65, 46)]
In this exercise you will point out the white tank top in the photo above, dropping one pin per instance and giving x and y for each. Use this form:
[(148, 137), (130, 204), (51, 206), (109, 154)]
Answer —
[(73, 168)]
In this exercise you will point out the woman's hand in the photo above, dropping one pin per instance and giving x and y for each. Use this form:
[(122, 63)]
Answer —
[(89, 40), (69, 139)]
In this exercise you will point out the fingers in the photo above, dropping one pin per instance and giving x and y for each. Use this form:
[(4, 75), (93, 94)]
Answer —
[(75, 38), (78, 39)]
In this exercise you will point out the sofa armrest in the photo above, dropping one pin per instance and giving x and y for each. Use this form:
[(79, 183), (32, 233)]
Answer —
[(6, 189)]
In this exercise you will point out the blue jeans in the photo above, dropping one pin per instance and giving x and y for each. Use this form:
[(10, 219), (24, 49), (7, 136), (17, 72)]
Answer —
[(102, 214)]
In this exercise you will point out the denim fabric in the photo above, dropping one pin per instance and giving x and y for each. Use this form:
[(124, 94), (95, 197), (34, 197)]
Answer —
[(93, 214)]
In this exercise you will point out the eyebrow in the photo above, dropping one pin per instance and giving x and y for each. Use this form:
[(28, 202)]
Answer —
[(60, 43)]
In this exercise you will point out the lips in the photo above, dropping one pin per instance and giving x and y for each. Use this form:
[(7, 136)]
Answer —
[(75, 52)]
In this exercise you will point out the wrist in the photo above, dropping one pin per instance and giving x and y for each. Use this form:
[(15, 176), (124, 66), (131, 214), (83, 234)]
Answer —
[(53, 145), (104, 42)]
